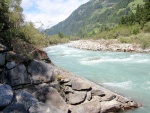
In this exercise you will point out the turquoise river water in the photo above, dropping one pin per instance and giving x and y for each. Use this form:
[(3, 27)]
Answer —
[(125, 73)]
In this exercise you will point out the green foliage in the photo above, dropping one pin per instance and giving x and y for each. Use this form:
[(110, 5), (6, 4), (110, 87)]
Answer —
[(142, 15), (147, 27), (61, 35)]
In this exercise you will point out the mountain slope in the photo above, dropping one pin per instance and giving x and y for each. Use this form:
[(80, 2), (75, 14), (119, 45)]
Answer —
[(93, 15)]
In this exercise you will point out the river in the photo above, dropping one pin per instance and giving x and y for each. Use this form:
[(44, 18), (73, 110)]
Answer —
[(127, 74)]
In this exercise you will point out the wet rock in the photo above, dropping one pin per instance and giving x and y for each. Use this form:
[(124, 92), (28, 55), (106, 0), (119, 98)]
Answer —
[(6, 95), (50, 96), (16, 76), (76, 97), (2, 59), (123, 99), (43, 108), (15, 108), (25, 98), (110, 106), (10, 65), (98, 93), (40, 71), (80, 85)]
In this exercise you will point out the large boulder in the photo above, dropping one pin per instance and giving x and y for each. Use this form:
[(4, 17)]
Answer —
[(50, 96), (6, 95), (41, 72), (110, 106), (15, 108), (77, 97), (43, 108), (25, 98), (80, 85), (2, 59), (16, 76)]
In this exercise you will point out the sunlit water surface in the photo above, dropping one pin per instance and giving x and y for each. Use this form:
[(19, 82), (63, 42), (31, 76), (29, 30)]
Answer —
[(125, 73)]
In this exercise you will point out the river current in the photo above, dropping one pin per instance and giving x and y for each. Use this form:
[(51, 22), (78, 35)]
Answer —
[(127, 74)]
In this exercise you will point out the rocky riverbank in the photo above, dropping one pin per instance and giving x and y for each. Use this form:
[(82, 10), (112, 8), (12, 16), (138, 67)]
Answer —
[(107, 45), (33, 86)]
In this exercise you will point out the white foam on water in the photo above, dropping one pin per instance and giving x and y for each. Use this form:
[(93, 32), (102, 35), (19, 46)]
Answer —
[(123, 85)]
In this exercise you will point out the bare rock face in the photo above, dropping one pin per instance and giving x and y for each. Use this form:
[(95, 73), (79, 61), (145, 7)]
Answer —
[(110, 106), (40, 72), (50, 96), (2, 59), (76, 97), (80, 85), (6, 95), (43, 108), (16, 76)]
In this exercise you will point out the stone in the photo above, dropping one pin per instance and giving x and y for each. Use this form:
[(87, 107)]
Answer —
[(76, 97), (89, 96), (2, 47), (41, 72), (50, 96), (55, 85), (10, 65), (93, 106), (123, 99), (68, 84), (80, 85), (110, 106), (15, 57), (25, 98), (108, 97), (98, 93), (68, 90), (15, 108), (43, 108), (6, 95), (2, 59), (16, 76)]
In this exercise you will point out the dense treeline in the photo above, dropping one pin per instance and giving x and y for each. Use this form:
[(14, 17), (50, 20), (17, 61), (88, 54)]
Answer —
[(142, 15)]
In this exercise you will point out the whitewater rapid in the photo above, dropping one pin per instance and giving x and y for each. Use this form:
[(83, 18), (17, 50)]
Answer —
[(125, 73)]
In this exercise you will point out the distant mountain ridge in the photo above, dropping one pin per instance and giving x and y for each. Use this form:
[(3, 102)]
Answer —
[(93, 16)]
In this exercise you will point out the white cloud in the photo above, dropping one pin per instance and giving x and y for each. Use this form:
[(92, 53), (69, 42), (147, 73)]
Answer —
[(49, 12)]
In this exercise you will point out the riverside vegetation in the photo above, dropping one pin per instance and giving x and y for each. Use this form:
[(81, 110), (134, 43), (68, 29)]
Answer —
[(28, 85)]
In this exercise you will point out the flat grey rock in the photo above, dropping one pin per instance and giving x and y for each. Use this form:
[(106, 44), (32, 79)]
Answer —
[(110, 106), (6, 95), (76, 97), (98, 93), (16, 76), (41, 72), (80, 85)]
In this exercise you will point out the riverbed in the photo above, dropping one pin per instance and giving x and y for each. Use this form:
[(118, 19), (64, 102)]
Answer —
[(125, 73)]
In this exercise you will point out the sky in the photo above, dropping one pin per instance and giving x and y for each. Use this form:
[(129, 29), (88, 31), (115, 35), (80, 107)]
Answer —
[(47, 13)]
